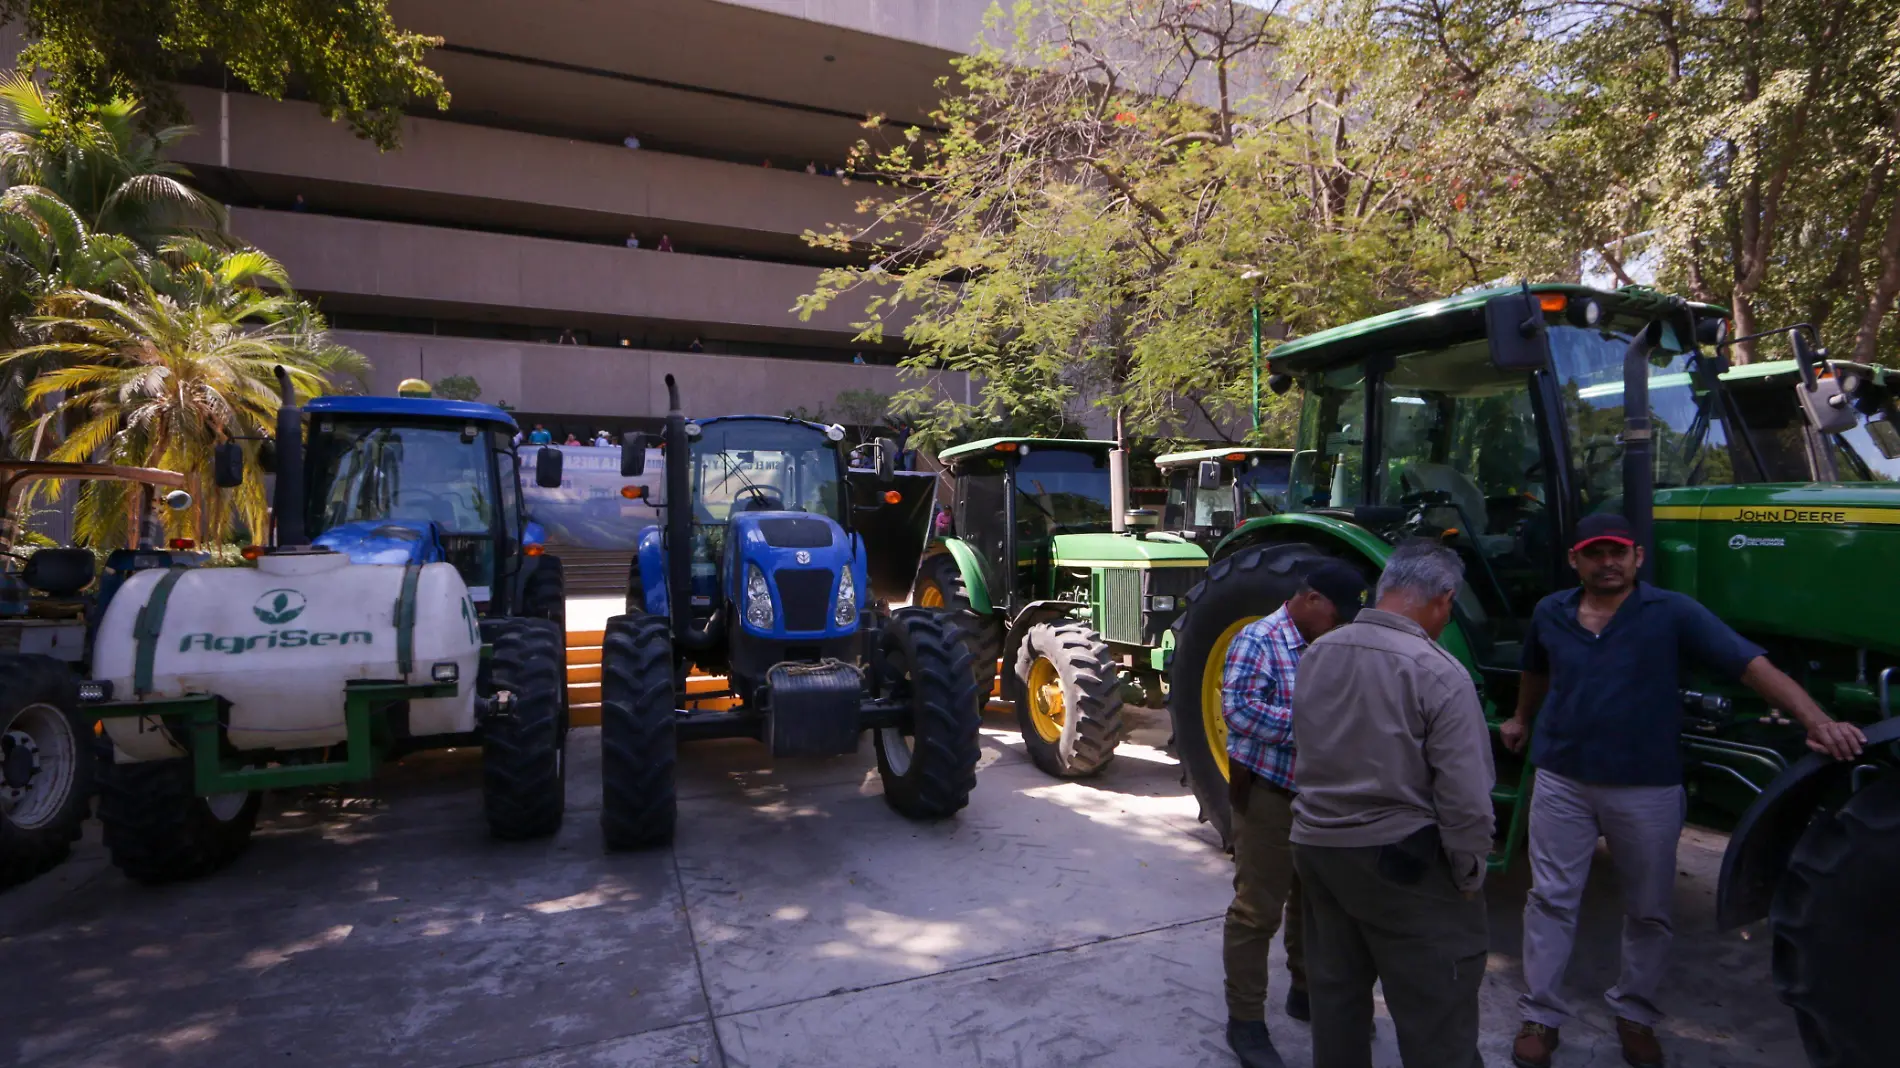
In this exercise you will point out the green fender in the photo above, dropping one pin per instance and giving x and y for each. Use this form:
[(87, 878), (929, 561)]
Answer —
[(971, 568), (1326, 530)]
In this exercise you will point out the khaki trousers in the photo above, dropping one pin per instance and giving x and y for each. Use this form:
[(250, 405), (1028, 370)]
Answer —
[(1265, 886)]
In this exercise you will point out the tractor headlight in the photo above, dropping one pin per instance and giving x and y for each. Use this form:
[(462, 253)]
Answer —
[(1160, 603), (846, 612), (758, 598)]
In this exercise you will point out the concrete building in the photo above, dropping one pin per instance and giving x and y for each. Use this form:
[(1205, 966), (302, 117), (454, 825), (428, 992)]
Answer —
[(495, 242)]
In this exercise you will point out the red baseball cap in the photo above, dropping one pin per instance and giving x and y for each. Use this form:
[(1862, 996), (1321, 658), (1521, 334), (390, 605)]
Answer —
[(1604, 526)]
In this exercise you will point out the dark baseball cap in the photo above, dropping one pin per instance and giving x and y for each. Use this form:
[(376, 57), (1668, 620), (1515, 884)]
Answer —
[(1604, 526), (1340, 584)]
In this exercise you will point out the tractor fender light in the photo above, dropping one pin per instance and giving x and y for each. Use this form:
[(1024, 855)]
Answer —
[(445, 672), (534, 549), (182, 543), (892, 497), (1235, 457), (1005, 446), (633, 493), (252, 552), (1552, 302), (95, 691)]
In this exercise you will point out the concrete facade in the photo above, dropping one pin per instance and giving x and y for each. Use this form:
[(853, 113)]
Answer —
[(501, 226)]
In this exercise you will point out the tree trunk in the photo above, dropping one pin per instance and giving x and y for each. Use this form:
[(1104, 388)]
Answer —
[(1867, 343)]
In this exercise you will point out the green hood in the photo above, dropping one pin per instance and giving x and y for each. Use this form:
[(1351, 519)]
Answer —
[(1125, 550)]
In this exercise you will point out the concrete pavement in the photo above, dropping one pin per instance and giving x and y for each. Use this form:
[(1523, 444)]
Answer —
[(798, 921)]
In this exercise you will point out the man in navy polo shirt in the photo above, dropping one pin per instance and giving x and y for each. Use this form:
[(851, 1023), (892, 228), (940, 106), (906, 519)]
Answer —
[(1602, 664)]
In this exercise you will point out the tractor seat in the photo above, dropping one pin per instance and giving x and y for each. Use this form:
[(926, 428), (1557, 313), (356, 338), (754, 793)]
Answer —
[(59, 572), (763, 502)]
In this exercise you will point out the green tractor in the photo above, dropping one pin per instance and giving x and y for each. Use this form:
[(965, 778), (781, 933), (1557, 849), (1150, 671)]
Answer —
[(1492, 421), (1044, 571), (1211, 491)]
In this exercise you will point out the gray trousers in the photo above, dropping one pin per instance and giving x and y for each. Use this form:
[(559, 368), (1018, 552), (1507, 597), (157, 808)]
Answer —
[(1642, 825), (1423, 941)]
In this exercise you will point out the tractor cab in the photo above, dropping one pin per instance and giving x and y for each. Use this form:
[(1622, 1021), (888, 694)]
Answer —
[(414, 480), (1014, 496), (1213, 490), (1767, 398)]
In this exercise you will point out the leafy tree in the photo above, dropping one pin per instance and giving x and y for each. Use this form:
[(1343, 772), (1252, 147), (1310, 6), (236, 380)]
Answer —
[(1118, 184), (459, 387), (161, 375), (345, 55)]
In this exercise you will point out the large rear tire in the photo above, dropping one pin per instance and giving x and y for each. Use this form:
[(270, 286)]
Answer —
[(940, 586), (1238, 590), (45, 766), (928, 769), (544, 594), (158, 830), (639, 743), (1067, 693), (1835, 942), (524, 763)]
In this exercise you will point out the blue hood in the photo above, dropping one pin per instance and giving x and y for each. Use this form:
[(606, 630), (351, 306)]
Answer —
[(384, 541)]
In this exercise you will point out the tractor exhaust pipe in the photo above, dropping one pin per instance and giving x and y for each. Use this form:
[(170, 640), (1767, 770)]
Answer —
[(287, 502), (1639, 470), (679, 527), (1118, 477)]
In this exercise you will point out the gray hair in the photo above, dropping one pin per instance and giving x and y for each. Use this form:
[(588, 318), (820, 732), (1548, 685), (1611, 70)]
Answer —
[(1420, 570)]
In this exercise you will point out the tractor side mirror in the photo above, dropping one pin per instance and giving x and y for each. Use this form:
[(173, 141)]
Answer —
[(886, 459), (1827, 406), (1207, 475), (547, 467), (633, 454), (227, 465), (1514, 323), (178, 500), (267, 456)]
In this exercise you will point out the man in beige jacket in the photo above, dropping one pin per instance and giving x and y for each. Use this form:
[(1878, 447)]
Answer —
[(1393, 823)]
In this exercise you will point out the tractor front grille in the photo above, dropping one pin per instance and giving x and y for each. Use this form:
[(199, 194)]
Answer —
[(1121, 604), (804, 595), (796, 533)]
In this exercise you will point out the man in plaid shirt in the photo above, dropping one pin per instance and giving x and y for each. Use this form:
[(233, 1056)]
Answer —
[(1257, 703)]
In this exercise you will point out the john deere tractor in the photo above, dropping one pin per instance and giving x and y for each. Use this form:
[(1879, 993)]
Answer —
[(758, 574), (1492, 421), (1044, 570), (421, 614), (1211, 491)]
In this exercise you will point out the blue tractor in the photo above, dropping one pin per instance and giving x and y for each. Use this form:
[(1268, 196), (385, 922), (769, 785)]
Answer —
[(757, 574), (414, 480)]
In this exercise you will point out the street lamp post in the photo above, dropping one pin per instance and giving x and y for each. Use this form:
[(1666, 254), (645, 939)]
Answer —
[(1254, 276)]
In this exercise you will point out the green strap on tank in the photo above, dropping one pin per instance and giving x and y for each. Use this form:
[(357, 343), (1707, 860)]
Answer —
[(151, 620), (406, 620)]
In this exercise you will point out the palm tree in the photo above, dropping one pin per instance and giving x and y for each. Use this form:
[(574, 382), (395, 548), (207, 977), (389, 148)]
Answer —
[(100, 161), (162, 375)]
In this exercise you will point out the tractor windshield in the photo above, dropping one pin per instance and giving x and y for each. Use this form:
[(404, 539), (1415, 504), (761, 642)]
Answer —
[(1061, 491), (364, 471), (764, 465)]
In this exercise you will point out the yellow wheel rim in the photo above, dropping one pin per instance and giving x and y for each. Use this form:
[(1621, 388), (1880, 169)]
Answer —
[(929, 596), (1046, 708), (1213, 724)]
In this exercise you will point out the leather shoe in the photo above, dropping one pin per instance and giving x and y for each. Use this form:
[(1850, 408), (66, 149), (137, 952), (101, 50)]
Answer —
[(1535, 1043), (1248, 1039), (1640, 1048), (1298, 1005)]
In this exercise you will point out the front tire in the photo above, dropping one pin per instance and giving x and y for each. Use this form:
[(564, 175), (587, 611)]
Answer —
[(1834, 940), (158, 830), (940, 585), (1237, 590), (524, 765), (1067, 693), (45, 766), (638, 741), (929, 770)]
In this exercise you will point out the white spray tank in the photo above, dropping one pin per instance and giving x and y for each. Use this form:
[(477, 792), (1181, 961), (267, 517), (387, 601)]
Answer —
[(281, 641)]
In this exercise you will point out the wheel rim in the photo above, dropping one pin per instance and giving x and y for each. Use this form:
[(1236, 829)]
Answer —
[(225, 807), (1213, 722), (893, 740), (1047, 710), (929, 596), (40, 758)]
